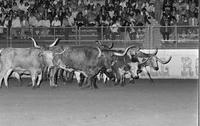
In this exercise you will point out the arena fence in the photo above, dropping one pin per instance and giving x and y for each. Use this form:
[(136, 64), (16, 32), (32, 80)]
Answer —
[(145, 37)]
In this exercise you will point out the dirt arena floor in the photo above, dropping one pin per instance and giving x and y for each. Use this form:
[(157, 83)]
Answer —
[(164, 103)]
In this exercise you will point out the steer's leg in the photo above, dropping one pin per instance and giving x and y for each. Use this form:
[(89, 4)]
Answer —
[(78, 77), (39, 80), (33, 77), (52, 77), (2, 74), (18, 76), (95, 82), (6, 77), (145, 69)]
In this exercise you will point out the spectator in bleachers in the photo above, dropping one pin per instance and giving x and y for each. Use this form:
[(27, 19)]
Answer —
[(15, 7), (107, 23), (7, 22), (158, 9), (44, 26), (33, 20), (56, 24), (97, 8), (33, 23), (67, 27), (70, 19), (100, 19), (132, 30), (25, 27), (115, 28), (183, 21), (1, 26), (80, 20), (145, 7), (91, 16), (16, 25), (124, 30), (166, 22)]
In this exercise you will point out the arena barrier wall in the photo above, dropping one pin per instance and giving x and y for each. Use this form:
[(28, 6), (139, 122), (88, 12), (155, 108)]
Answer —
[(183, 65)]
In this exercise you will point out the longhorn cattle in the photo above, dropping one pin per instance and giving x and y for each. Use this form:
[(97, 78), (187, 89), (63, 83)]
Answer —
[(126, 65), (88, 59), (23, 60), (152, 61)]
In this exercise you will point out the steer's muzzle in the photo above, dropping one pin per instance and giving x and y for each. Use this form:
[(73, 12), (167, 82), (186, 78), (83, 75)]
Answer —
[(156, 68)]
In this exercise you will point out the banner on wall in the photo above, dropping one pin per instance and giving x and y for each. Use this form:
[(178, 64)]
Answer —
[(183, 65)]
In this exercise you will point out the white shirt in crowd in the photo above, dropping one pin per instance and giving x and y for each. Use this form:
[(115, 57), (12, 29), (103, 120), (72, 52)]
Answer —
[(115, 26), (56, 23), (33, 21), (16, 23)]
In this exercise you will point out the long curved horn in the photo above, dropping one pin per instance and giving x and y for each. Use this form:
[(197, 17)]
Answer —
[(164, 62), (61, 52), (155, 52), (54, 43), (100, 53), (34, 43), (124, 53), (142, 54)]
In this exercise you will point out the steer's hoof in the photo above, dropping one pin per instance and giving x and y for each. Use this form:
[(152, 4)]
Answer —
[(29, 85), (34, 87), (54, 86), (132, 81), (85, 86), (38, 86)]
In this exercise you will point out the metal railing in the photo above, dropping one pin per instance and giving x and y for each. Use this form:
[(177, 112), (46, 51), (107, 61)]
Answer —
[(146, 37)]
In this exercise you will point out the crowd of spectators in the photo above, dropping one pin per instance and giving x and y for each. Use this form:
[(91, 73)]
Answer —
[(183, 13), (114, 15)]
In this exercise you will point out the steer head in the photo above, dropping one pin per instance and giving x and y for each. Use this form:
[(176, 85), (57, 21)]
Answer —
[(153, 59), (109, 57)]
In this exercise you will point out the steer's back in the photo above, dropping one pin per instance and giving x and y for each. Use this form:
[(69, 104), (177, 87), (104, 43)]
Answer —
[(80, 56), (20, 57)]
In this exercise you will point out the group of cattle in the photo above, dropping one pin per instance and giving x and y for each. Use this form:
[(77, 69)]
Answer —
[(87, 63)]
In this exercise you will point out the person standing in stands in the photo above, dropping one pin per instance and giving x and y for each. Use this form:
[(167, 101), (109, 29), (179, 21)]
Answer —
[(16, 25), (56, 24), (166, 25), (80, 20), (115, 28)]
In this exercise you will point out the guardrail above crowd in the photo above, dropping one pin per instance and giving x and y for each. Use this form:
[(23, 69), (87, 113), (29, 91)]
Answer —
[(145, 37)]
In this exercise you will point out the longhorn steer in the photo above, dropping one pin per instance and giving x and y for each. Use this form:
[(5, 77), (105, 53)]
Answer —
[(22, 60), (152, 61)]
